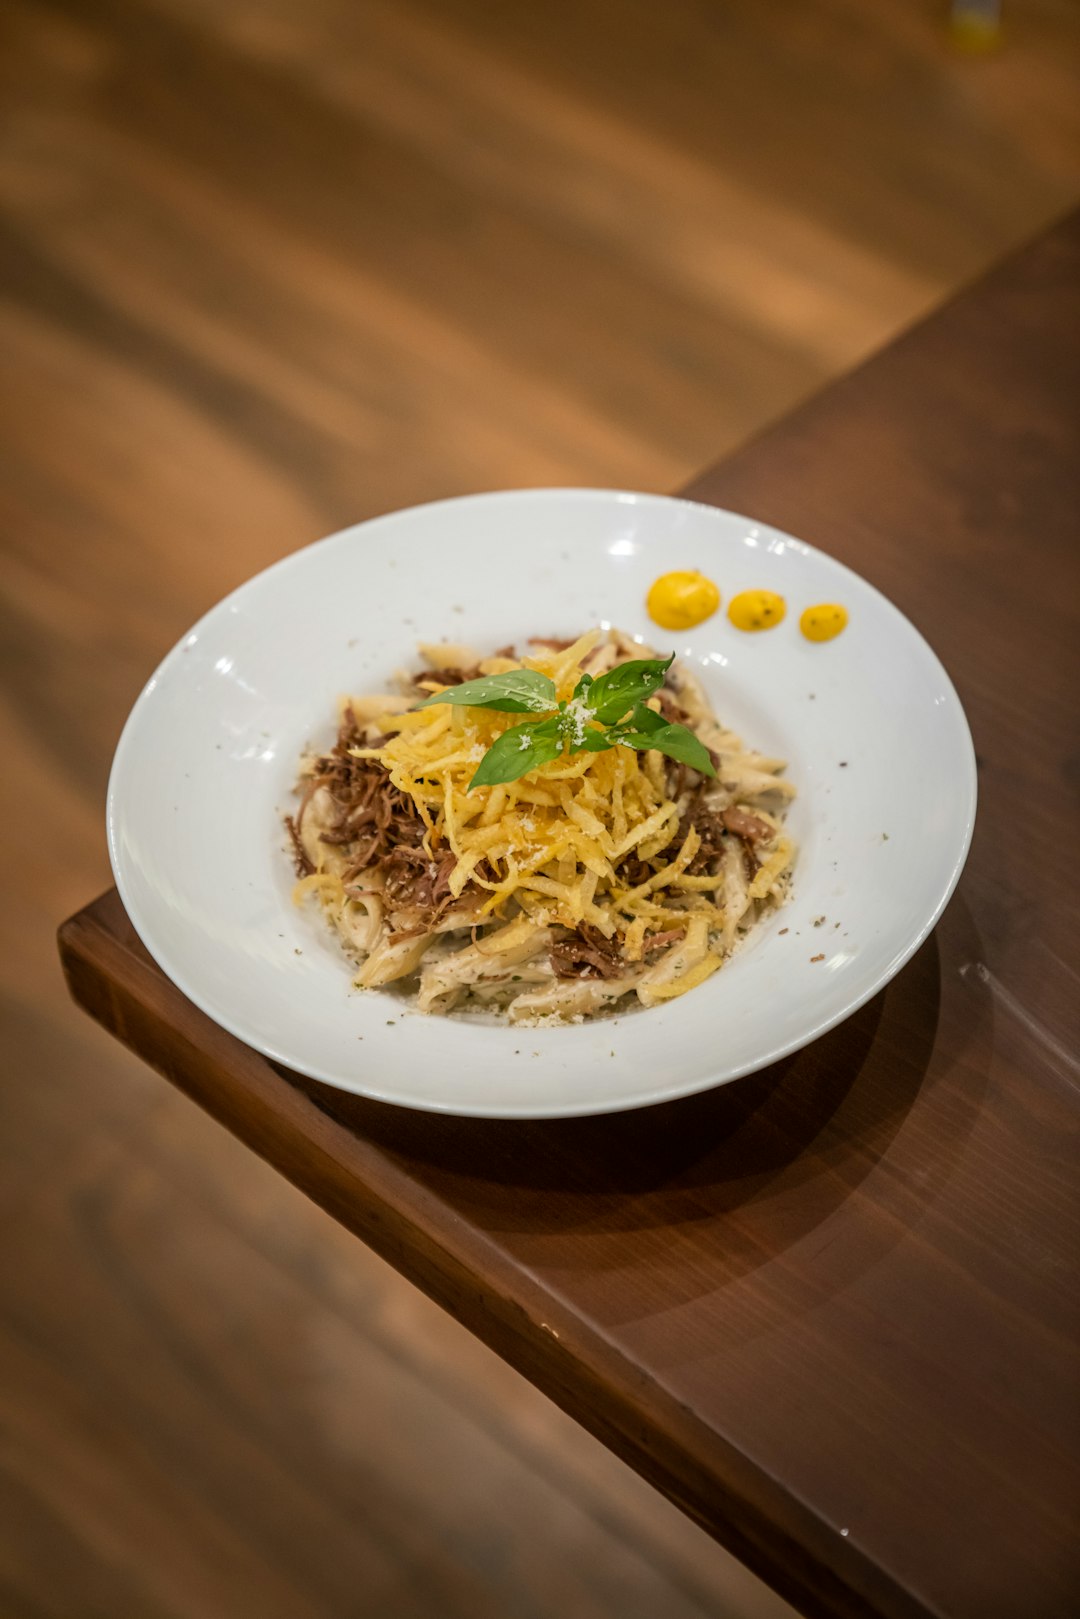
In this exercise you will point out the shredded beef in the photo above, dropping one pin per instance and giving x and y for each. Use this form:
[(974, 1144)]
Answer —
[(411, 879), (632, 870), (715, 828), (447, 677), (585, 953), (369, 817), (745, 825), (675, 774), (304, 865), (750, 831), (670, 708), (709, 826), (404, 869), (376, 825), (458, 676), (706, 859)]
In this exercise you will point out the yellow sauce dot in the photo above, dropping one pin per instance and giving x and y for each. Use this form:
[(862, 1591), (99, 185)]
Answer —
[(822, 623), (756, 610), (678, 601)]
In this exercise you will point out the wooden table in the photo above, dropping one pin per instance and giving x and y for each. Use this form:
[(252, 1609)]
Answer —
[(828, 1310)]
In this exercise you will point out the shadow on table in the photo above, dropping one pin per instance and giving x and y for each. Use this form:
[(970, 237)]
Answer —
[(721, 1181)]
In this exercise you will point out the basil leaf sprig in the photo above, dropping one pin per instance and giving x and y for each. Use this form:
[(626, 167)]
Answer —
[(589, 722), (518, 691)]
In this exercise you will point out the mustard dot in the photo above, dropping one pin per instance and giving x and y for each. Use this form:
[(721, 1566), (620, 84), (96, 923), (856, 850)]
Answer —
[(824, 622), (756, 610), (679, 600)]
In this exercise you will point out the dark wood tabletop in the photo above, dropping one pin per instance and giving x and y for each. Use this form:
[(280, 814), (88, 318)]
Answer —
[(829, 1310)]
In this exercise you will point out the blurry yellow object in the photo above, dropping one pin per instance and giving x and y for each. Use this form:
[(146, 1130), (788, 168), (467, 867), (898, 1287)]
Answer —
[(823, 622), (756, 610), (975, 25), (678, 601)]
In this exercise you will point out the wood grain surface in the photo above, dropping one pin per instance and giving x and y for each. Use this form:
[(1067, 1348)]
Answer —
[(267, 268), (830, 1310)]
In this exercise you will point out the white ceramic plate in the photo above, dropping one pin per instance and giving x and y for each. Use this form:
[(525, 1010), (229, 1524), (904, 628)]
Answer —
[(874, 733)]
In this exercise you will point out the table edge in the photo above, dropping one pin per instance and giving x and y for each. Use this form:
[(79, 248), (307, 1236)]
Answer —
[(760, 1522)]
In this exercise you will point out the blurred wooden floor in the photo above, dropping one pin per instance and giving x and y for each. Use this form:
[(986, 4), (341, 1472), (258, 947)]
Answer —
[(268, 267)]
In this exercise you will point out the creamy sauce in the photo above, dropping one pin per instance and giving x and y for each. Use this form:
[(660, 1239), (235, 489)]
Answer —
[(756, 610), (823, 622), (678, 601)]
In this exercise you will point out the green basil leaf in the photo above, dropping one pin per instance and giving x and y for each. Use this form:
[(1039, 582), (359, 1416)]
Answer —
[(644, 719), (518, 691), (593, 741), (583, 685), (611, 695), (676, 741), (517, 751)]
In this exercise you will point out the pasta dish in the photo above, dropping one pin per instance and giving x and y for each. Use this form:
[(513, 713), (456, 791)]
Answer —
[(545, 837)]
